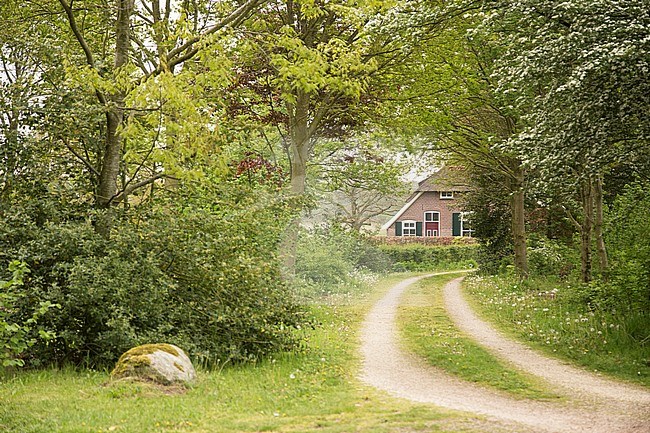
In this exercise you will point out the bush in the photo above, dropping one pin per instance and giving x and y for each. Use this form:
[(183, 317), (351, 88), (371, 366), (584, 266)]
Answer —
[(199, 271), (332, 260), (628, 241), (320, 259), (549, 257), (18, 336), (415, 257)]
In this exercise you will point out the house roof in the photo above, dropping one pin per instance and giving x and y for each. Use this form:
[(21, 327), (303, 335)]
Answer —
[(452, 178)]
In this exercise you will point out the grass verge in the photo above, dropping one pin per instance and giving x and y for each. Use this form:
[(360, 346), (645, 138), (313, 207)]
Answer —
[(545, 314), (314, 390), (428, 331)]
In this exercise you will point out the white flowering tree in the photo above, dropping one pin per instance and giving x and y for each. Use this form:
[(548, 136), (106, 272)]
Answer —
[(581, 70)]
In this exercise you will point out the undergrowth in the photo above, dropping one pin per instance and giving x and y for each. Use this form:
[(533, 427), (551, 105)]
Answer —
[(554, 317)]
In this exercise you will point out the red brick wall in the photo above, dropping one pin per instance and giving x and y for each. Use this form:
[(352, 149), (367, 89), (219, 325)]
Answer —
[(430, 201)]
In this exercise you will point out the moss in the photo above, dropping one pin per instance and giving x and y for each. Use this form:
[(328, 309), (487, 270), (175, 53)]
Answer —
[(148, 349), (135, 360), (179, 367), (129, 364)]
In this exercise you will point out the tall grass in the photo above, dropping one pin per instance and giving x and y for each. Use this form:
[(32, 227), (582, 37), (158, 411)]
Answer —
[(552, 317)]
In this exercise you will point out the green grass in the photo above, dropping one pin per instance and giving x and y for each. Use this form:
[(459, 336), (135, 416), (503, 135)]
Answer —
[(546, 315), (429, 332), (315, 390)]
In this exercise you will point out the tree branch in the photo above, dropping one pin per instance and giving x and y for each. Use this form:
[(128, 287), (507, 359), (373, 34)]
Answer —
[(176, 56), (576, 224), (82, 41), (121, 195), (80, 158)]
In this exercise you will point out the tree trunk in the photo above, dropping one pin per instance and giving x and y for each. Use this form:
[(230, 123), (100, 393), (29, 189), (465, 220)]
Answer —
[(109, 174), (519, 223), (299, 149), (598, 225), (586, 229), (300, 143)]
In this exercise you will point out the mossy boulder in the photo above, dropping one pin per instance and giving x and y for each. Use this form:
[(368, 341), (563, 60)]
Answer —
[(164, 364)]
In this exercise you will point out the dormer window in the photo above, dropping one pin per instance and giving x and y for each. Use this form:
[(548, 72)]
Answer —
[(446, 195)]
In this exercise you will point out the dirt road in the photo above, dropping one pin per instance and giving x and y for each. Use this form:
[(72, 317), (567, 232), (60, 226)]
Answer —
[(594, 405)]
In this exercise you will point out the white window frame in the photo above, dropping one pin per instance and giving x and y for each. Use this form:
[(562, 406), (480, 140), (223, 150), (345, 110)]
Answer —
[(432, 212), (446, 195), (409, 228), (431, 233), (463, 231)]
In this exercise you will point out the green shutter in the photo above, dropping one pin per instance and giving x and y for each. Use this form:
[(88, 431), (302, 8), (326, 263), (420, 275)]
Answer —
[(455, 228), (398, 228), (418, 228)]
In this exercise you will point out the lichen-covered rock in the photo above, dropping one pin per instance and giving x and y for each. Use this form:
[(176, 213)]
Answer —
[(165, 364)]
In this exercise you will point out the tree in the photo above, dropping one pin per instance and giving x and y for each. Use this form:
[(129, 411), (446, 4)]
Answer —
[(309, 77), (23, 55), (449, 96), (135, 88), (580, 70), (319, 59), (363, 180)]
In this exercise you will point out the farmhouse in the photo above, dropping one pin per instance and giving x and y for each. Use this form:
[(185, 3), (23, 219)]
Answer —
[(435, 208)]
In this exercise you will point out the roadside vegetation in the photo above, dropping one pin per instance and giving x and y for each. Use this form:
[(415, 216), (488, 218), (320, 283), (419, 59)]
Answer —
[(552, 316), (603, 324)]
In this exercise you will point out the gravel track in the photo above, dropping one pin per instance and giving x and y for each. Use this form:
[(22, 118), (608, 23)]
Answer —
[(597, 405)]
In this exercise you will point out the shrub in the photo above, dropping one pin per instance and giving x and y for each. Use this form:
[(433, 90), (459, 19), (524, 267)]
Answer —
[(550, 257), (199, 271), (628, 241), (333, 260), (413, 257), (322, 260), (16, 336)]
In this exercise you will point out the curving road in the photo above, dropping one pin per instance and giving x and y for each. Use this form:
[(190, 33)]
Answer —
[(597, 406)]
